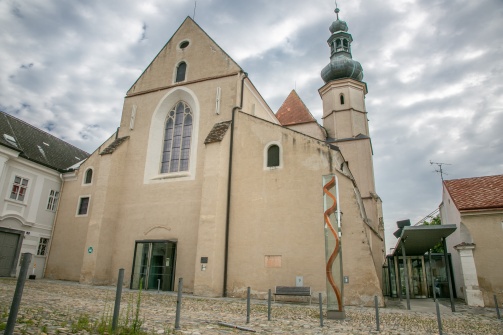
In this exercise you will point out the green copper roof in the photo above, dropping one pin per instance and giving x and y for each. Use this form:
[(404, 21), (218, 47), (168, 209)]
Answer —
[(341, 63)]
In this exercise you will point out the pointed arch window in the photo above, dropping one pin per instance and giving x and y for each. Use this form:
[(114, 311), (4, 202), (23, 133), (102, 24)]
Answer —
[(177, 139), (180, 72)]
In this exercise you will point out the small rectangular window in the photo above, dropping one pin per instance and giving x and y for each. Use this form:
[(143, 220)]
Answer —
[(52, 202), (83, 206), (42, 246), (19, 188)]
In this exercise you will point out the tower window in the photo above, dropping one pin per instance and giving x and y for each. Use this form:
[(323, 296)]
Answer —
[(180, 72), (342, 99), (273, 156), (177, 139), (345, 44)]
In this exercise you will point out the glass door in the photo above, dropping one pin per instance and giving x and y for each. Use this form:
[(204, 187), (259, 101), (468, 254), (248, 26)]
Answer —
[(154, 265)]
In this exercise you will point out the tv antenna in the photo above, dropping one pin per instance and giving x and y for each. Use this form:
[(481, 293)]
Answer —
[(439, 169)]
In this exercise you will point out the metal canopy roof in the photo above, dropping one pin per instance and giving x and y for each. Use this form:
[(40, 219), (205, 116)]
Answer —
[(419, 239)]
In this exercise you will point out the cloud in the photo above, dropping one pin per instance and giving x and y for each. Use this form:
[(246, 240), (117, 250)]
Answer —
[(433, 71)]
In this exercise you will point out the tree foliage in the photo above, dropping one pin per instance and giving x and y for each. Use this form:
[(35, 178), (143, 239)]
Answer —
[(438, 248)]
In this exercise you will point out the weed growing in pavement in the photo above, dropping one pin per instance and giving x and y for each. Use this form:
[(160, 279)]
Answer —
[(129, 323)]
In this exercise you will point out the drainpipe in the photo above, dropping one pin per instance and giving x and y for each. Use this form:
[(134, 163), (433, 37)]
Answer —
[(227, 215), (53, 225)]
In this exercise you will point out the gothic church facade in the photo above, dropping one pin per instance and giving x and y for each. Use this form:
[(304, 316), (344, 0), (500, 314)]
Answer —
[(205, 182)]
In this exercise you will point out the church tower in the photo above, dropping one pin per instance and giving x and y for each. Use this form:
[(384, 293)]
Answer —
[(345, 119)]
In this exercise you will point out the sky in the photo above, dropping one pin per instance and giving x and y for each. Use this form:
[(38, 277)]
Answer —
[(434, 72)]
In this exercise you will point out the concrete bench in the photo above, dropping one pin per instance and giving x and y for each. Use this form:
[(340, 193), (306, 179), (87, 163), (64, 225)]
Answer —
[(303, 291)]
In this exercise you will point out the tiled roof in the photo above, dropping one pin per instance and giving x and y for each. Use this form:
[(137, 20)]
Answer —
[(114, 145), (37, 145), (294, 111), (217, 133), (476, 193)]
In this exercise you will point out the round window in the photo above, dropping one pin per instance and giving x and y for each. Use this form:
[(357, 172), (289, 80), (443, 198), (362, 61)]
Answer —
[(184, 44)]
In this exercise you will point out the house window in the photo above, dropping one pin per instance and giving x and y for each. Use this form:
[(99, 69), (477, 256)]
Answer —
[(88, 178), (42, 246), (177, 139), (342, 99), (180, 72), (52, 203), (83, 206), (273, 156), (19, 188)]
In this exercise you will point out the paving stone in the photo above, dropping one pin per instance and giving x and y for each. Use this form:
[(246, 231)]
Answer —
[(56, 305)]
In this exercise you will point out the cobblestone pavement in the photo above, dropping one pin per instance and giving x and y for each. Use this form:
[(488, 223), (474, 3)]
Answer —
[(55, 307)]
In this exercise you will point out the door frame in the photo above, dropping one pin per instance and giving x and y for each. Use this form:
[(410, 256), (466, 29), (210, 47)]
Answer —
[(18, 248), (136, 242)]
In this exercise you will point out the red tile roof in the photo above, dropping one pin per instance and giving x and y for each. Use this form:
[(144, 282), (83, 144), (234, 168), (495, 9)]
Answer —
[(294, 111), (476, 193)]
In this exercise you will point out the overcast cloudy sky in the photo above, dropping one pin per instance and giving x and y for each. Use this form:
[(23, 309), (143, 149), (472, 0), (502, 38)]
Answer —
[(434, 71)]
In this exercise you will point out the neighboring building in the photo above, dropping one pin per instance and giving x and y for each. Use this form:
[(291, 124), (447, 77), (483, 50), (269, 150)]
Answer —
[(31, 163), (203, 181), (475, 206)]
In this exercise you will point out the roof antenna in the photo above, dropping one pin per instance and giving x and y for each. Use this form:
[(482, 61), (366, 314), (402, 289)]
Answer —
[(194, 16), (440, 169)]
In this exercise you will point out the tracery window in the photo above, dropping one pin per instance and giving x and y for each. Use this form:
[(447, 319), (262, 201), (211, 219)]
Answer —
[(177, 139)]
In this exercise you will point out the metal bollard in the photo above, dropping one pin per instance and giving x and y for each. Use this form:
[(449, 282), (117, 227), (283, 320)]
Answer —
[(178, 303), (497, 307), (118, 294), (269, 306), (439, 320), (320, 301), (248, 305), (376, 302), (16, 300)]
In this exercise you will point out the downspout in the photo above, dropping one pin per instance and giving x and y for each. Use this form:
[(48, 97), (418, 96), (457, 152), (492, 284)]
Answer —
[(227, 215), (53, 225)]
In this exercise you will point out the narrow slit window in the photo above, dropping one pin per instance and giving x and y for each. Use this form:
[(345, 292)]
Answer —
[(342, 99), (273, 156), (180, 72), (89, 176)]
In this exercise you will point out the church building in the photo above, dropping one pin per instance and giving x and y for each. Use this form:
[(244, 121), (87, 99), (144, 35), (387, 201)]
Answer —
[(203, 181)]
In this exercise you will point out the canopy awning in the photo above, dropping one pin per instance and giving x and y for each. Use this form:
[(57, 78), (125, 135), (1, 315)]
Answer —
[(419, 239)]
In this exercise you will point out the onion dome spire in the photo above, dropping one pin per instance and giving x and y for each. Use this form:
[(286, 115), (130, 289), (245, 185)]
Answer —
[(341, 63)]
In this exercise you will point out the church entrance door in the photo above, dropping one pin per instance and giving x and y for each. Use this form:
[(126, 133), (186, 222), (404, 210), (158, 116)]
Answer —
[(154, 265)]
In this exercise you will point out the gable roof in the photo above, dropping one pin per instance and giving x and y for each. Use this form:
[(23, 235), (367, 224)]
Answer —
[(186, 30), (476, 193), (38, 146), (294, 111)]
